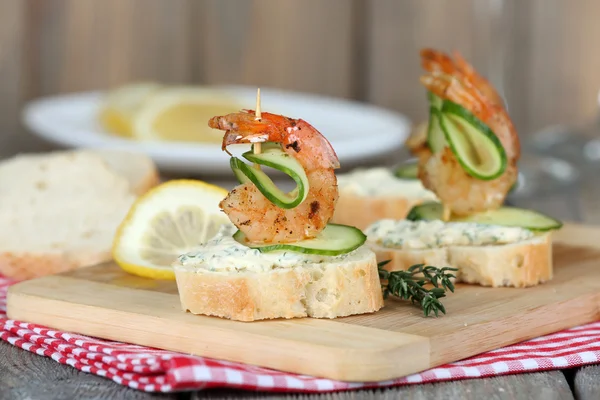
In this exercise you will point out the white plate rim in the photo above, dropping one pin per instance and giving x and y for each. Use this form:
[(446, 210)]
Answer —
[(208, 158)]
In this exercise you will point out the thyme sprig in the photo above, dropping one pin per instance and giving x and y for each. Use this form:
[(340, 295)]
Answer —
[(410, 285)]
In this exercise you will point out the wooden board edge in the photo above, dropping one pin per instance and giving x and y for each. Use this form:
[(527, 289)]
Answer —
[(577, 234), (410, 354), (574, 315)]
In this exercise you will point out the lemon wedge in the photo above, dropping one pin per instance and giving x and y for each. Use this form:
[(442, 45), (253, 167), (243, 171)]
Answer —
[(120, 105), (181, 114), (169, 220)]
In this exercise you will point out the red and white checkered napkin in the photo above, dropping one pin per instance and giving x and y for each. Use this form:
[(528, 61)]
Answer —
[(155, 370)]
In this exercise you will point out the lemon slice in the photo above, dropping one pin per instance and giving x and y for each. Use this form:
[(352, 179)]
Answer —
[(120, 105), (182, 114), (169, 220)]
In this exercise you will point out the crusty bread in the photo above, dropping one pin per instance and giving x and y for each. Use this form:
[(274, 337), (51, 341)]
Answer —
[(522, 264), (361, 211), (58, 211), (137, 168), (314, 290), (367, 195)]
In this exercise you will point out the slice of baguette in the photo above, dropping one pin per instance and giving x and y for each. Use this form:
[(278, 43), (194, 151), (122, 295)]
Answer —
[(367, 195), (522, 264), (58, 211), (327, 290), (361, 211), (139, 169)]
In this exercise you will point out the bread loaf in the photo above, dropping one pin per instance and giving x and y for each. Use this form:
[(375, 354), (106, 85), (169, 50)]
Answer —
[(59, 210)]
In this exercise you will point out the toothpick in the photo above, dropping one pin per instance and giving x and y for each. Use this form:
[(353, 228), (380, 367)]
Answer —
[(257, 111), (446, 213), (257, 146)]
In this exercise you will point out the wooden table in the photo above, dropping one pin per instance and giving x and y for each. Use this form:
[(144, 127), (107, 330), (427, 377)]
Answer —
[(24, 375)]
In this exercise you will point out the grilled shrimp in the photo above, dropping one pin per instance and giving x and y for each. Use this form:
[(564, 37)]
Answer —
[(417, 141), (248, 209), (438, 63), (460, 193)]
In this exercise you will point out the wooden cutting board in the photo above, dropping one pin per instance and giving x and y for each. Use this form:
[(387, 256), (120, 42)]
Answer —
[(105, 302)]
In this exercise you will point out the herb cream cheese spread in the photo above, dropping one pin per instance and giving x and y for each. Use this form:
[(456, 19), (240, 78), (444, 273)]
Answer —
[(381, 181), (405, 234), (224, 254)]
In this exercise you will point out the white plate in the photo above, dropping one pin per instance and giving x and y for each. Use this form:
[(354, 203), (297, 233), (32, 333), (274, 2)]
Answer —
[(357, 131)]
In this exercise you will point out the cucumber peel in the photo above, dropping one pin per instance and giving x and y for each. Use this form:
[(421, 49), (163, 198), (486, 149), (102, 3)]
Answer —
[(435, 136), (407, 171), (503, 216), (235, 167), (476, 147), (274, 157), (334, 240)]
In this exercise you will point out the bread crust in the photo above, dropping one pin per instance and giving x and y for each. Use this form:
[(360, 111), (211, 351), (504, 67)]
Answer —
[(317, 291), (151, 180), (120, 161), (523, 264), (361, 211), (22, 265)]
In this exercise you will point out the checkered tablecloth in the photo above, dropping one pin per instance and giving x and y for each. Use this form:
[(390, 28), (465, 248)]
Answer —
[(156, 370)]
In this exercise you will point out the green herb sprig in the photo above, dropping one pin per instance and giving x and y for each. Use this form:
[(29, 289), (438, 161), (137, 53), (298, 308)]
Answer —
[(410, 285)]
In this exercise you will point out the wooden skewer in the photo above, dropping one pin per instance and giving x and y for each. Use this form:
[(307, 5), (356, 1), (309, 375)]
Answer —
[(446, 213), (257, 146)]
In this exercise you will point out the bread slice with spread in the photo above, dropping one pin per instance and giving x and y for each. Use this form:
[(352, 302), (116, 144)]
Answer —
[(226, 279), (505, 247)]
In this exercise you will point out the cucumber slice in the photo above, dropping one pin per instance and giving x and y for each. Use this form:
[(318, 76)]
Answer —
[(334, 240), (434, 100), (435, 136), (266, 146), (504, 216), (476, 147), (407, 171), (239, 175), (276, 158)]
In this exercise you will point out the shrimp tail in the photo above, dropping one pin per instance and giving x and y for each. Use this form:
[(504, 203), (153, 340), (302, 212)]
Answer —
[(436, 62)]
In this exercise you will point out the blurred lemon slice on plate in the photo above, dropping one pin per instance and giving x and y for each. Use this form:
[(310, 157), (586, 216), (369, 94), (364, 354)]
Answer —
[(169, 220), (182, 114), (121, 103)]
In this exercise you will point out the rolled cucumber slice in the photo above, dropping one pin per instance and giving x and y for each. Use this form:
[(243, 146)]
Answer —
[(407, 171), (435, 136), (476, 147), (334, 240), (234, 163), (274, 157), (504, 216), (266, 146)]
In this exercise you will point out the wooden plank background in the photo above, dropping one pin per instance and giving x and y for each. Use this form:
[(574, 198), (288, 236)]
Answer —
[(541, 53)]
